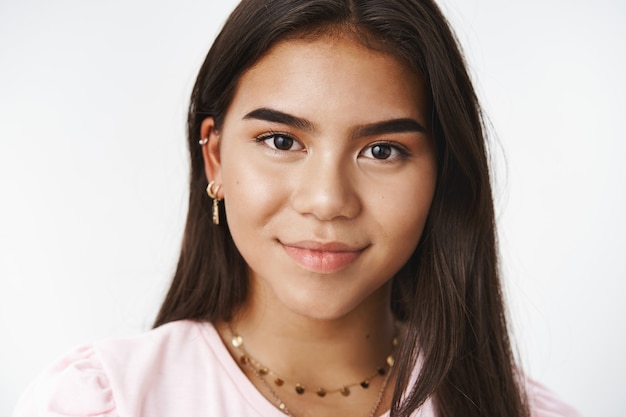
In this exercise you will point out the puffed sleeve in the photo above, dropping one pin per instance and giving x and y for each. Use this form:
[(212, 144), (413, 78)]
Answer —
[(76, 385), (544, 403)]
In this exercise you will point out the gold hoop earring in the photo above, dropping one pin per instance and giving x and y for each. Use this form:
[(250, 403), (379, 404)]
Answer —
[(216, 200)]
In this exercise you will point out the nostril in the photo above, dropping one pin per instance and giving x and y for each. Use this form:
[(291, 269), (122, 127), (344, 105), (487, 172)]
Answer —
[(327, 198)]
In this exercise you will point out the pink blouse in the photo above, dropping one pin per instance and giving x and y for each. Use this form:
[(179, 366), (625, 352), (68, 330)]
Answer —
[(179, 369)]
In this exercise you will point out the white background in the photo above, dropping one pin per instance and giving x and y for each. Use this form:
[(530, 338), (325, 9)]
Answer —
[(93, 175)]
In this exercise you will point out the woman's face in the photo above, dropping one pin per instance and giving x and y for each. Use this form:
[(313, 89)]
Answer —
[(327, 171)]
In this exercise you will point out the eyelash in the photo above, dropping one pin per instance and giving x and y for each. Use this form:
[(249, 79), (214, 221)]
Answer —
[(269, 135), (402, 152)]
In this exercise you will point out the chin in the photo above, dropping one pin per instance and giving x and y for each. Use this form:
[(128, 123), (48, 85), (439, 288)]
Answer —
[(326, 306)]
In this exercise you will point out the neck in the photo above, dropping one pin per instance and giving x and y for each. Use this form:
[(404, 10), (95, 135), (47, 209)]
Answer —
[(318, 352)]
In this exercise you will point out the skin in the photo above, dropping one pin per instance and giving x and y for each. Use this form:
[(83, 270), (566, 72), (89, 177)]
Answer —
[(325, 204)]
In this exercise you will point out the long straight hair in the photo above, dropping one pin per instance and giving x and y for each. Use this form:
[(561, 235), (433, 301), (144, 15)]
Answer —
[(449, 292)]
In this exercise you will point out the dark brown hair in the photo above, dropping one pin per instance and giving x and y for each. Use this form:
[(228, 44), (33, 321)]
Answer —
[(449, 292)]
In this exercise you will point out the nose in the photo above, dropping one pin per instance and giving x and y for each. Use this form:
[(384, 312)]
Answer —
[(326, 189)]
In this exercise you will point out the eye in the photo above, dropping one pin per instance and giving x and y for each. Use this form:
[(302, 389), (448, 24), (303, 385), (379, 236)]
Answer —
[(280, 141), (383, 150)]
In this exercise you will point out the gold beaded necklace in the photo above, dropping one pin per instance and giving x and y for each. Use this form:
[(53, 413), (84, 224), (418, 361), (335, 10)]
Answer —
[(261, 372)]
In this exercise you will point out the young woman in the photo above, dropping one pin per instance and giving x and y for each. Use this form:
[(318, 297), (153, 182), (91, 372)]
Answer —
[(339, 257)]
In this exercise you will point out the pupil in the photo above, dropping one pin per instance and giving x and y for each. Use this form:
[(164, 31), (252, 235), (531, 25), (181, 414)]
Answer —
[(381, 151), (283, 143)]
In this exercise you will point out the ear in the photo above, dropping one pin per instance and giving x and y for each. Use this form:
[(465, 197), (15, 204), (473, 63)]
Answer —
[(211, 152)]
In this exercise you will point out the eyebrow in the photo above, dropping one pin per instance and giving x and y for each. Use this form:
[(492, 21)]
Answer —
[(401, 125), (275, 116)]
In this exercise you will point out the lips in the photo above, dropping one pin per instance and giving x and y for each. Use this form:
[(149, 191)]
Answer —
[(323, 258)]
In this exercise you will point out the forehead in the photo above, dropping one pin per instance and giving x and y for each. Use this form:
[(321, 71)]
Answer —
[(332, 73)]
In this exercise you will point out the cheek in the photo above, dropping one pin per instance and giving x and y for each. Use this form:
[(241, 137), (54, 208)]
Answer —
[(239, 179), (401, 213), (250, 197)]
